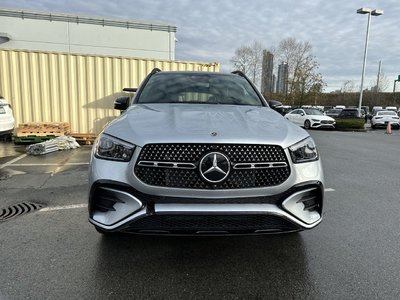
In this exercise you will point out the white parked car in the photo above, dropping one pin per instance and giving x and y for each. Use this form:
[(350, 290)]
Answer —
[(6, 117), (392, 108), (383, 117), (375, 109), (310, 118)]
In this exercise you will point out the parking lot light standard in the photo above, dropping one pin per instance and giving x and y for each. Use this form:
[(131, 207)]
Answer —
[(370, 12)]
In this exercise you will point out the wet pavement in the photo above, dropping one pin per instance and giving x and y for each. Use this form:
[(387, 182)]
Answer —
[(352, 254)]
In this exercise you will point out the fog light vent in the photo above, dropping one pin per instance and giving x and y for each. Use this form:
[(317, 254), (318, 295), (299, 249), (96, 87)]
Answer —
[(110, 205), (106, 199), (305, 205), (310, 202)]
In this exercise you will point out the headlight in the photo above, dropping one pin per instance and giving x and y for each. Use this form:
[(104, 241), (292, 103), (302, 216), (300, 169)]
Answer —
[(109, 147), (304, 151), (316, 120)]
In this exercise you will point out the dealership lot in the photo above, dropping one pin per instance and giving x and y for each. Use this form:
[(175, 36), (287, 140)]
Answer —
[(55, 253)]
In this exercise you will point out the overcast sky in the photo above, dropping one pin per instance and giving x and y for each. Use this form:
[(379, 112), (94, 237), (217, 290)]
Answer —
[(211, 30)]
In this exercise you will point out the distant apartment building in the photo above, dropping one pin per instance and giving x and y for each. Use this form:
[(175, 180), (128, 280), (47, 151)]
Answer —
[(273, 83), (267, 77), (283, 75), (53, 32)]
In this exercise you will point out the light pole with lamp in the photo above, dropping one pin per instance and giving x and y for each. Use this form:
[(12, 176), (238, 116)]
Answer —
[(370, 12)]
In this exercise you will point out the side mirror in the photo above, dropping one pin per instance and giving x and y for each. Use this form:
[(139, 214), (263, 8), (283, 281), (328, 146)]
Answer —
[(131, 90), (121, 103), (274, 104), (302, 114)]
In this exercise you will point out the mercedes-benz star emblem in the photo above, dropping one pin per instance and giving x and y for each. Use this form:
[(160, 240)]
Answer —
[(214, 167)]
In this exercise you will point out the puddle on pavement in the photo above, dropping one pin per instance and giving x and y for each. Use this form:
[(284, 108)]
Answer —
[(10, 149), (8, 173)]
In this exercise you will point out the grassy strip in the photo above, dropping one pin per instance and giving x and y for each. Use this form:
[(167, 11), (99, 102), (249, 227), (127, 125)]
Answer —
[(350, 123)]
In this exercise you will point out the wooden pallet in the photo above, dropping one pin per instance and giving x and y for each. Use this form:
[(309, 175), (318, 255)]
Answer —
[(42, 129), (84, 138), (32, 139)]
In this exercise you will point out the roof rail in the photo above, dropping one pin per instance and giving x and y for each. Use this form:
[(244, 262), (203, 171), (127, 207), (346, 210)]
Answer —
[(154, 71), (240, 73)]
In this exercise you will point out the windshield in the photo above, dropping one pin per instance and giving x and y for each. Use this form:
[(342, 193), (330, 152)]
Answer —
[(349, 112), (199, 88), (313, 111)]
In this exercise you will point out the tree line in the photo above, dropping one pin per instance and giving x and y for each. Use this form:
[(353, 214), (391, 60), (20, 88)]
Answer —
[(303, 82)]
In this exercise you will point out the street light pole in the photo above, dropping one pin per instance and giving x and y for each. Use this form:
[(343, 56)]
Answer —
[(370, 13), (394, 87)]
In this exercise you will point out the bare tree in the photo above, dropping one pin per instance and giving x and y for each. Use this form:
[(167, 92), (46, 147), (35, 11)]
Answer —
[(348, 86), (303, 77), (248, 59), (380, 84)]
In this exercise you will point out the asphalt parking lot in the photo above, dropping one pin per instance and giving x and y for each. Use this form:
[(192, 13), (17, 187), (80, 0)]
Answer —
[(54, 253)]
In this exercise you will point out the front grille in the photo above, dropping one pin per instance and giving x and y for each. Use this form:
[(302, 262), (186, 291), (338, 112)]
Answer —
[(326, 122), (238, 179), (194, 223), (192, 153)]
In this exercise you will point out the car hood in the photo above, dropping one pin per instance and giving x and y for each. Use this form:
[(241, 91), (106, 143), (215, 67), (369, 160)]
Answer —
[(204, 123)]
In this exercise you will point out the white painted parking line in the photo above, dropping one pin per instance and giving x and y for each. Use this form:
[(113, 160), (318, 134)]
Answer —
[(13, 161), (73, 206), (329, 190), (46, 165)]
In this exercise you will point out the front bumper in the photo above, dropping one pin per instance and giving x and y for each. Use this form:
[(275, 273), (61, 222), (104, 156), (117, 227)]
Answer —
[(323, 125), (384, 124), (116, 207), (119, 201)]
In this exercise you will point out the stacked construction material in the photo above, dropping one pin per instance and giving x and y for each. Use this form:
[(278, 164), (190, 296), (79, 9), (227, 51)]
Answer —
[(35, 132), (56, 144)]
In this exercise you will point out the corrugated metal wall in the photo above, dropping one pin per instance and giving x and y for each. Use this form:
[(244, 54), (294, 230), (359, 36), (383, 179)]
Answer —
[(79, 89)]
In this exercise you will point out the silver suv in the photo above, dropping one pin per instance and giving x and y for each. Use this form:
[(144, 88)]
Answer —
[(202, 153)]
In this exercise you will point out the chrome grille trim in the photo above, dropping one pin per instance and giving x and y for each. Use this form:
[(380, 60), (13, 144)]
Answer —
[(166, 164), (248, 166)]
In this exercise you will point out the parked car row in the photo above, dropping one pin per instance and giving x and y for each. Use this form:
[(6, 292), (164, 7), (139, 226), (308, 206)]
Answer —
[(314, 117)]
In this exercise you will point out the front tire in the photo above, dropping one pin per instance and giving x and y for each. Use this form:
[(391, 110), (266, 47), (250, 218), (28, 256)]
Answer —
[(307, 124)]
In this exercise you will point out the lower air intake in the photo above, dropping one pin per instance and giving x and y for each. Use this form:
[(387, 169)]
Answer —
[(195, 223)]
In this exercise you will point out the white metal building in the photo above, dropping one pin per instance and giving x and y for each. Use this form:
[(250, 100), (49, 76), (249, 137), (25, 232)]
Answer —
[(27, 30), (64, 68)]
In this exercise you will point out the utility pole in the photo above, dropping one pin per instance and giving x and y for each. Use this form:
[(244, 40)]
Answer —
[(379, 76), (377, 81), (394, 87), (370, 12)]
